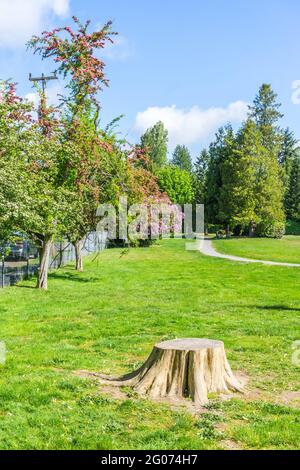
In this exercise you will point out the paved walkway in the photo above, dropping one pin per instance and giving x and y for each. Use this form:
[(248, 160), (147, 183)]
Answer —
[(206, 247)]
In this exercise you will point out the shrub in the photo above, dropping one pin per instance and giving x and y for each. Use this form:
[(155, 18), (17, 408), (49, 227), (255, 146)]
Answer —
[(271, 230), (221, 234)]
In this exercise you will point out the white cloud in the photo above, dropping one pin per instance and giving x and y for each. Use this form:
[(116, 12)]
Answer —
[(193, 126), (33, 98), (121, 49), (54, 91), (20, 19)]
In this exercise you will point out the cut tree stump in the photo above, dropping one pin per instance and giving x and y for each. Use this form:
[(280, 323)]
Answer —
[(183, 368)]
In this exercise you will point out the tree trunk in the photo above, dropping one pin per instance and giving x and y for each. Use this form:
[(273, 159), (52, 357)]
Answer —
[(227, 231), (60, 262), (186, 368), (44, 264), (78, 253), (252, 229)]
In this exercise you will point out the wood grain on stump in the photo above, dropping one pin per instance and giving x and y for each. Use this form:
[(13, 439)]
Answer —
[(184, 368)]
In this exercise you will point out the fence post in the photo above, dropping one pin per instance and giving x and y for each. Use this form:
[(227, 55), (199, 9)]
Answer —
[(27, 269), (60, 254), (2, 276)]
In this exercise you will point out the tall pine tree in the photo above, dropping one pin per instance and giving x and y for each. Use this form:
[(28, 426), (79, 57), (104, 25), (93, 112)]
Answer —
[(200, 176), (219, 152), (265, 112), (288, 150), (244, 187), (237, 193), (182, 158), (155, 140), (288, 153), (265, 109), (292, 198)]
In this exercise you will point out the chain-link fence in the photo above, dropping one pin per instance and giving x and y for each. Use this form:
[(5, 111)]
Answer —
[(14, 270)]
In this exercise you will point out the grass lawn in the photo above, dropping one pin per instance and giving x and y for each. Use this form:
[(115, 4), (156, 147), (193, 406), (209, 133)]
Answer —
[(108, 318), (286, 250)]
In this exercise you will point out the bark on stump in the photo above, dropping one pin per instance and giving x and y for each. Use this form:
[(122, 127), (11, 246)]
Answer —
[(183, 368)]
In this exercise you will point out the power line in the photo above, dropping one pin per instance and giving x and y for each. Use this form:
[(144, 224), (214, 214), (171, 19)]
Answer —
[(44, 79)]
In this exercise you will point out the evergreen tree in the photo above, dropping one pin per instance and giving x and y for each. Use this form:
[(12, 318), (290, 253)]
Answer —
[(288, 150), (218, 153), (292, 199), (288, 153), (182, 158), (155, 140), (244, 187), (265, 113), (268, 190), (237, 192), (200, 176), (265, 110)]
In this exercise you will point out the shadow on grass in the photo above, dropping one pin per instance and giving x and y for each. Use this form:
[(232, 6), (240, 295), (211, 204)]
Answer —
[(278, 307), (19, 286), (73, 277), (272, 307)]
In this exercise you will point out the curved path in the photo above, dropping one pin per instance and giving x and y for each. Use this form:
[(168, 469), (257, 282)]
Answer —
[(206, 247)]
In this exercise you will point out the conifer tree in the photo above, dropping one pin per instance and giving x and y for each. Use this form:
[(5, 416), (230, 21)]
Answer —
[(182, 158), (237, 193), (218, 152), (200, 176), (292, 199), (155, 141), (289, 149), (265, 112)]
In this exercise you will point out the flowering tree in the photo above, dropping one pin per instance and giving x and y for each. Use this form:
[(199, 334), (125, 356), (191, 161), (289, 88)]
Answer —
[(164, 217), (14, 119), (32, 197), (75, 55), (74, 52), (96, 177), (87, 168), (55, 169)]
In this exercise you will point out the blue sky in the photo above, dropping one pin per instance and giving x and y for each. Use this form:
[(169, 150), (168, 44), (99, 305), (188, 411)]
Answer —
[(194, 64)]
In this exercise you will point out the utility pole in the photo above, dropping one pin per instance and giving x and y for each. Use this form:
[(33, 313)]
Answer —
[(42, 79)]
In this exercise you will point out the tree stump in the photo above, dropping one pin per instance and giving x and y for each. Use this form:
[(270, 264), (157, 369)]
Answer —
[(183, 368)]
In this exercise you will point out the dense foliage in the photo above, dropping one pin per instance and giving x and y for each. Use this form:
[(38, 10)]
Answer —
[(57, 164), (245, 178), (177, 183), (248, 180)]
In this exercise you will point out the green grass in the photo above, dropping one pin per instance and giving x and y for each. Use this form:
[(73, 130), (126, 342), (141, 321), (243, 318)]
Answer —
[(285, 250), (108, 318)]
